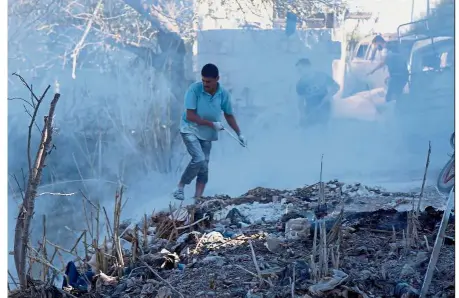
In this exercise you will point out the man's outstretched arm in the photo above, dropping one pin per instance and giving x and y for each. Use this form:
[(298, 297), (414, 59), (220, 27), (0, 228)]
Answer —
[(232, 123), (227, 109)]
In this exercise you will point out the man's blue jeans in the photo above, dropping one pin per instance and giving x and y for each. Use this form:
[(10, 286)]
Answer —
[(200, 153)]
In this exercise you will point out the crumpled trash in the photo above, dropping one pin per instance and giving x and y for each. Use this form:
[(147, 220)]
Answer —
[(180, 214), (163, 259), (328, 283), (75, 279), (201, 213), (236, 218), (213, 237), (230, 234)]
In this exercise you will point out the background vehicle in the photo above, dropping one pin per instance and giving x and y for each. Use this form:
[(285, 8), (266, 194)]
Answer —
[(426, 111), (445, 181), (364, 57)]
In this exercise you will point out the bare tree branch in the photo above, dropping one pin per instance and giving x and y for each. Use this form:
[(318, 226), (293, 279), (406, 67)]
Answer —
[(80, 44)]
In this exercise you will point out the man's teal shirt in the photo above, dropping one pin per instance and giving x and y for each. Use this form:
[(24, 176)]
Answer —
[(208, 107)]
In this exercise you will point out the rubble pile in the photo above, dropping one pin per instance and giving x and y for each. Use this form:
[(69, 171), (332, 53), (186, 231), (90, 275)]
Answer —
[(267, 243)]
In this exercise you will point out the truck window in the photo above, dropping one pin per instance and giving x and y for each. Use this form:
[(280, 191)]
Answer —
[(361, 51)]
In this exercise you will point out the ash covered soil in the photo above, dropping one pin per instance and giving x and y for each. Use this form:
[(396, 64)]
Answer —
[(270, 243)]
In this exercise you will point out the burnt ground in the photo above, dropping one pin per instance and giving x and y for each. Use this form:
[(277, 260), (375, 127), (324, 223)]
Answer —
[(370, 253)]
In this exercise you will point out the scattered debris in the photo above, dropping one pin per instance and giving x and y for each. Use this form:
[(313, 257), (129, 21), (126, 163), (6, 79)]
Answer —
[(262, 245)]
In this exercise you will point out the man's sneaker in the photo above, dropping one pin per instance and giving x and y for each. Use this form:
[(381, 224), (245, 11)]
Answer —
[(178, 194)]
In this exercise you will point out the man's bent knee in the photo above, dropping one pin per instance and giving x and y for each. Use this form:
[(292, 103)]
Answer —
[(198, 161), (203, 174)]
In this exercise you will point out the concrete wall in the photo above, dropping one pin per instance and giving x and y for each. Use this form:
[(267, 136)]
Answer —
[(259, 65)]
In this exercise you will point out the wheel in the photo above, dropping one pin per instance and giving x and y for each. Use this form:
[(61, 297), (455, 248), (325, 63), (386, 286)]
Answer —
[(445, 180)]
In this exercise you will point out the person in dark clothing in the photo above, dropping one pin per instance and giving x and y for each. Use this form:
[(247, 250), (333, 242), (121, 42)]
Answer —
[(75, 279), (315, 90), (396, 65)]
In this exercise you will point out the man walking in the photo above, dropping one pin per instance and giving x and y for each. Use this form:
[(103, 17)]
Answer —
[(199, 126), (315, 90), (396, 65)]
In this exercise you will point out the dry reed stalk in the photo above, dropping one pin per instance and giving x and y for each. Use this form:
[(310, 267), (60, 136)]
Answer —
[(36, 257), (191, 212), (321, 184), (116, 226), (54, 255), (424, 179), (97, 223), (332, 256), (145, 232), (162, 279), (164, 226), (135, 244), (60, 248), (292, 286), (325, 249), (254, 275), (404, 238), (313, 269), (85, 211), (174, 233), (107, 221), (13, 280), (314, 243), (335, 231), (31, 262), (427, 243), (78, 241), (85, 244), (99, 260), (44, 252), (104, 257), (255, 262), (193, 224), (408, 230)]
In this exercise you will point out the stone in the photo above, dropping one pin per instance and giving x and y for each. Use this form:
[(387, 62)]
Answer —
[(217, 260), (365, 274), (164, 292), (407, 271), (148, 289), (273, 244), (297, 229)]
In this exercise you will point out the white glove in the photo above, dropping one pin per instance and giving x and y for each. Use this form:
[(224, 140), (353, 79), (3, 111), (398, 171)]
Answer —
[(242, 140), (218, 126)]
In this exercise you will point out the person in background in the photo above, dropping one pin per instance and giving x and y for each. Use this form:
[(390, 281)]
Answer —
[(199, 126), (315, 90), (397, 67)]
